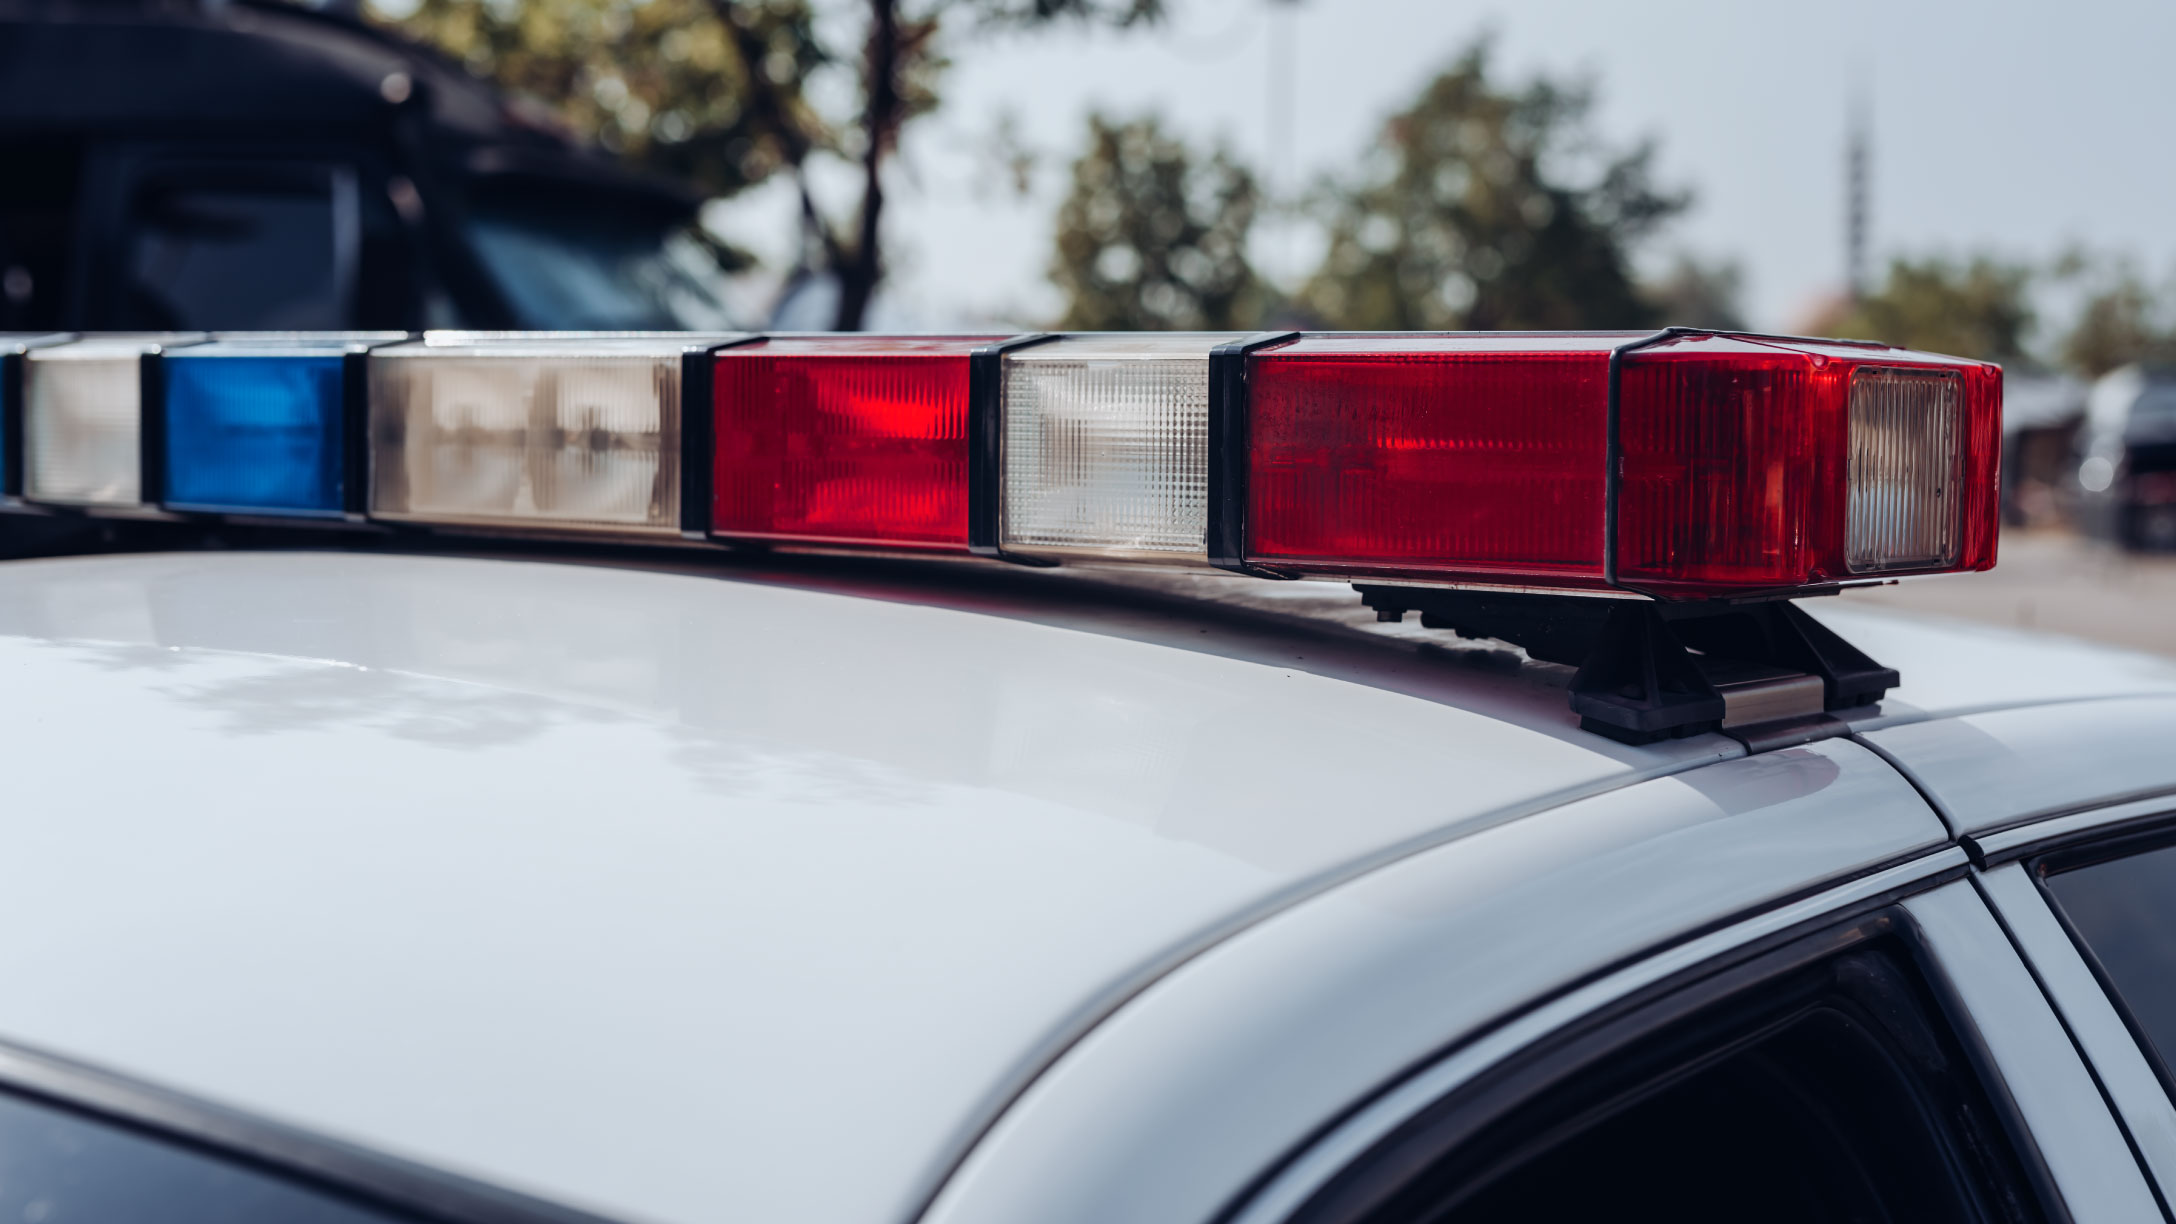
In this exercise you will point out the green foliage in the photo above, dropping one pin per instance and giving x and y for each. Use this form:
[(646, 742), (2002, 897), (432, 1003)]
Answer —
[(1978, 309), (1698, 294), (722, 92), (1490, 207), (2123, 320), (1153, 235), (706, 90)]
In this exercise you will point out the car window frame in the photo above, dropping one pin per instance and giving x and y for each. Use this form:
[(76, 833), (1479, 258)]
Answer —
[(2112, 1049), (1651, 995)]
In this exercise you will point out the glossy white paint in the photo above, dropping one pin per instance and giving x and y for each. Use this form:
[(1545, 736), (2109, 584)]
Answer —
[(2079, 1141), (1957, 667), (1209, 1077), (2005, 767), (688, 898)]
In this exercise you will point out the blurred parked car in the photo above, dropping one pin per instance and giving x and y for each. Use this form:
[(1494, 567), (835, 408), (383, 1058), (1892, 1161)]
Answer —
[(187, 166), (2041, 415), (2127, 473)]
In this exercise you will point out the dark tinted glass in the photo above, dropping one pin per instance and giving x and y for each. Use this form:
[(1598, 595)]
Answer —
[(1833, 1092), (588, 266), (58, 1167), (241, 250), (2124, 911)]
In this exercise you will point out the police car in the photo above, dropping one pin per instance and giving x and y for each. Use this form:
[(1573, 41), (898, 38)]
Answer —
[(513, 777)]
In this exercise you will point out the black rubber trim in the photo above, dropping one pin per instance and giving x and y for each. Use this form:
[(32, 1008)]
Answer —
[(2151, 827), (288, 1152), (986, 445), (151, 454), (698, 421), (1229, 454)]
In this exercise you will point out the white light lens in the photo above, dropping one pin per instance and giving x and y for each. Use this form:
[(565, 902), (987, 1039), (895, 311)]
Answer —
[(83, 420), (1903, 511), (572, 432), (1106, 446)]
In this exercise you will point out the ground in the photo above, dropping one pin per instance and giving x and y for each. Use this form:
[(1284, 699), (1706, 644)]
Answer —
[(2056, 582)]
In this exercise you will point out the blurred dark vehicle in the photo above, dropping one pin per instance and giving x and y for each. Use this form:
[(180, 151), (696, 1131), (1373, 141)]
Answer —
[(230, 164), (2127, 468), (2041, 417)]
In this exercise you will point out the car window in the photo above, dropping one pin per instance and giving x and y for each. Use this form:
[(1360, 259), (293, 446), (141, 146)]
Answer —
[(271, 248), (2122, 911), (1833, 1093), (598, 268), (61, 1167)]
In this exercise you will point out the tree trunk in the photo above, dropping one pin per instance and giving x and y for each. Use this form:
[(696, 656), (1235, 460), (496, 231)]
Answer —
[(863, 268)]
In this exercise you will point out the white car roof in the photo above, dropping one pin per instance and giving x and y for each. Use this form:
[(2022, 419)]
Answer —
[(751, 894)]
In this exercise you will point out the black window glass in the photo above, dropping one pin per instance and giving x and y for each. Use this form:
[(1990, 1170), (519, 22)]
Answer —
[(596, 265), (59, 1167), (241, 249), (2124, 911), (1834, 1093)]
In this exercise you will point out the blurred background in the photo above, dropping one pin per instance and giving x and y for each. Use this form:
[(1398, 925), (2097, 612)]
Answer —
[(1973, 178)]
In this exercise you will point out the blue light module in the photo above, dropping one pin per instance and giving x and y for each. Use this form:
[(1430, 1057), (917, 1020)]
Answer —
[(258, 426)]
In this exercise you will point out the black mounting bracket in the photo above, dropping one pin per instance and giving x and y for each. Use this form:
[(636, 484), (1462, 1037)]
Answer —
[(1764, 672), (986, 446)]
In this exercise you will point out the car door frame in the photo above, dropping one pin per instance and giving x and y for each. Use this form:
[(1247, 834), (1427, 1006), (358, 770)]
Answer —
[(2009, 863), (2021, 1055)]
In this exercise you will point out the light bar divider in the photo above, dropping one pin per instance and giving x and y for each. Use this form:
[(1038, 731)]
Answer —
[(1229, 461), (1613, 450), (698, 432), (986, 445), (355, 425), (151, 427)]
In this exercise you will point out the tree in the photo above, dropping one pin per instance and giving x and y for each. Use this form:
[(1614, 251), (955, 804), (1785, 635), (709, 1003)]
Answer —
[(1978, 309), (1694, 293), (704, 90), (719, 91), (2122, 320), (1490, 207), (1153, 236)]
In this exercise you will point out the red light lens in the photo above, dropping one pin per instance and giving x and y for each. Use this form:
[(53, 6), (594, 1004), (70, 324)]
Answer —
[(1482, 459), (854, 440), (1465, 458), (1738, 473)]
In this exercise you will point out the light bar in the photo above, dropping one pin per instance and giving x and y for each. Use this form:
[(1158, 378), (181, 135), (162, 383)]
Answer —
[(82, 419), (844, 440), (1683, 465), (262, 424), (1105, 447), (572, 432)]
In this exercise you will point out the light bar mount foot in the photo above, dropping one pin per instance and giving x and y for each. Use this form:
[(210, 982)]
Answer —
[(1765, 673)]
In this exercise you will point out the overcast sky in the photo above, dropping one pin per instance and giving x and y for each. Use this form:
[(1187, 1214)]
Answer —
[(2002, 125)]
